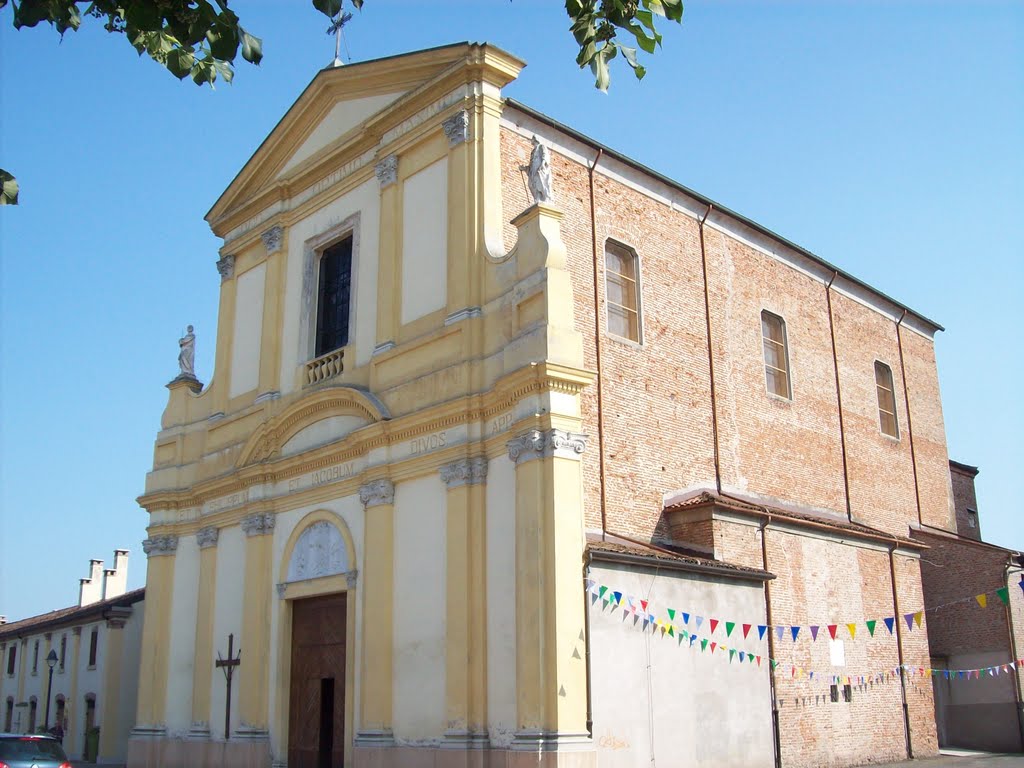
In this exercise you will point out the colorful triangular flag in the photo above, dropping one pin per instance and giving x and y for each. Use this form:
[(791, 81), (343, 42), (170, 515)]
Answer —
[(714, 626), (871, 626), (982, 600), (794, 631), (853, 631), (672, 614), (832, 630), (761, 628), (814, 633), (889, 623), (686, 618), (910, 620), (699, 620), (729, 627), (779, 631), (601, 592), (731, 654), (1004, 595), (617, 596), (918, 617), (703, 644)]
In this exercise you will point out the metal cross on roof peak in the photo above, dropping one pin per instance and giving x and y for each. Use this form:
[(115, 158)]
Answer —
[(336, 29)]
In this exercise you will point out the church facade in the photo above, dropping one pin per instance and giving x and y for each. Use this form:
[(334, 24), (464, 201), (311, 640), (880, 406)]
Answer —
[(494, 409)]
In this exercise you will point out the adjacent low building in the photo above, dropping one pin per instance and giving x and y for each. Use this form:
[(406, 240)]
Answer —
[(95, 670), (963, 635)]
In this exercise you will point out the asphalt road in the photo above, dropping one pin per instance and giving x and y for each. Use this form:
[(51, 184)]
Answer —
[(966, 760)]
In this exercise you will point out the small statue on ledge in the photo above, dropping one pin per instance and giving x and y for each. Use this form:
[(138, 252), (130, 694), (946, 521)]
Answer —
[(539, 172), (187, 355)]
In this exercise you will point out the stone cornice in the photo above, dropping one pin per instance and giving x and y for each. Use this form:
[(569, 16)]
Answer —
[(270, 468)]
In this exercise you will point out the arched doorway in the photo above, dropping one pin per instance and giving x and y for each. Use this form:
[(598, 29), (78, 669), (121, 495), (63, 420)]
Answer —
[(317, 621)]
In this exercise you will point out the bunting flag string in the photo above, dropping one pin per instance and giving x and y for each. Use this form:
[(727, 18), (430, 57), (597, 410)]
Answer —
[(646, 620), (914, 619)]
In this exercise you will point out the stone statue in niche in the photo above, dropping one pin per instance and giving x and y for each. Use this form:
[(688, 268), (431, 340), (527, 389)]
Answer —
[(187, 355), (539, 172)]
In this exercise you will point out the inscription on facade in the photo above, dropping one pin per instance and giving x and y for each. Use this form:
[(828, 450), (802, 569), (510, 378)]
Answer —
[(428, 443), (500, 424), (323, 476), (225, 502)]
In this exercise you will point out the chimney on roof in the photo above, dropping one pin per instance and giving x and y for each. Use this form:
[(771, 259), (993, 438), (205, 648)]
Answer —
[(115, 580), (90, 589)]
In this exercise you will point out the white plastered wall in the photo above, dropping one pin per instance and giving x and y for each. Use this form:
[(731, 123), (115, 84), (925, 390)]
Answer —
[(425, 241), (182, 643), (248, 331), (419, 610), (227, 618), (501, 604), (365, 201), (349, 511), (656, 700)]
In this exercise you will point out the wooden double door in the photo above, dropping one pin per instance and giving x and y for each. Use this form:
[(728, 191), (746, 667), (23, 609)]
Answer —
[(316, 705)]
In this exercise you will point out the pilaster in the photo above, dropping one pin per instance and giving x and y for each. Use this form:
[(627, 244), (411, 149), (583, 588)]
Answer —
[(389, 278), (466, 621), (206, 538), (274, 241), (254, 685), (550, 623), (156, 633), (73, 734), (111, 713), (375, 726)]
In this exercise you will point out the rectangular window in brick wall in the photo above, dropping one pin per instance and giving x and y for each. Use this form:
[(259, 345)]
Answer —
[(886, 400), (776, 355), (622, 291)]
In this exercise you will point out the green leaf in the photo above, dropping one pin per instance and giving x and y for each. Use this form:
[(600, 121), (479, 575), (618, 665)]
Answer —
[(8, 188), (143, 15), (329, 8), (223, 40), (224, 70), (180, 62), (252, 48), (599, 66)]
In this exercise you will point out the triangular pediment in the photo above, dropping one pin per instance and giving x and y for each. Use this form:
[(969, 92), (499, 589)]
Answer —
[(332, 115)]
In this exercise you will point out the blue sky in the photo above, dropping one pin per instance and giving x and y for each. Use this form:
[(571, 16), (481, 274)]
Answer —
[(884, 136)]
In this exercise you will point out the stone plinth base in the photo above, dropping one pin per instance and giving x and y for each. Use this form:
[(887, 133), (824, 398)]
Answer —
[(447, 757), (165, 752)]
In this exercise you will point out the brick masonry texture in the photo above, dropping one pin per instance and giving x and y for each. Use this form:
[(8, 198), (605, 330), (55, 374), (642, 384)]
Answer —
[(658, 441), (964, 498)]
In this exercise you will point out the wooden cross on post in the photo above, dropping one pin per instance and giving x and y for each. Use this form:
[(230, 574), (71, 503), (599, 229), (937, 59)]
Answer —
[(228, 665)]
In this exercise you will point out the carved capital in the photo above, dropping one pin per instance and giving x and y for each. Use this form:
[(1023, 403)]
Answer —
[(282, 589), (540, 444), (456, 128), (258, 524), (376, 493), (350, 578), (387, 170), (273, 238), (226, 267), (465, 472), (160, 545), (207, 537)]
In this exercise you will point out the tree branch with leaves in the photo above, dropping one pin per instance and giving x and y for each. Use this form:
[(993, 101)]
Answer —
[(201, 40)]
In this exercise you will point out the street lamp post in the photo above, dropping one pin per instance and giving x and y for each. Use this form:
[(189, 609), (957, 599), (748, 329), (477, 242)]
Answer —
[(51, 662)]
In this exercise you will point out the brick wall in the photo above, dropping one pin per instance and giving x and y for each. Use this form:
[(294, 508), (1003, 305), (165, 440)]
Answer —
[(657, 397), (968, 524)]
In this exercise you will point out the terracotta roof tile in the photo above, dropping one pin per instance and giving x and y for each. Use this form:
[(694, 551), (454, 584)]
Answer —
[(71, 615)]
